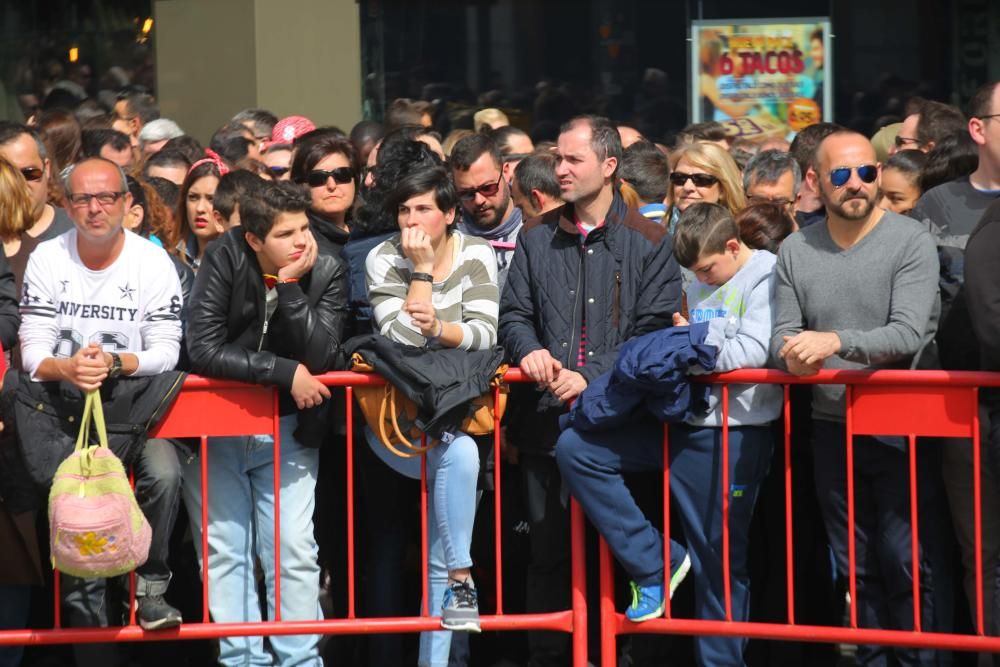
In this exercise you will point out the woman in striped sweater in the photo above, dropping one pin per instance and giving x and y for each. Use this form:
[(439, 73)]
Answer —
[(431, 286)]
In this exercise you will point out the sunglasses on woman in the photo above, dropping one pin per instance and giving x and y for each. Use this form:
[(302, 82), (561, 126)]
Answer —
[(679, 178), (866, 172), (32, 173), (318, 177)]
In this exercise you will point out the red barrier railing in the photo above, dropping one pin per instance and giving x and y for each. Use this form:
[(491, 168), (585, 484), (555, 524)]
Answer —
[(207, 408), (911, 404)]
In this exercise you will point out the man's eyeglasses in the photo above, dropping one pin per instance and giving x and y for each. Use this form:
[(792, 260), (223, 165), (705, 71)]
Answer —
[(32, 173), (488, 190), (761, 199), (902, 141), (988, 116), (319, 177), (866, 172), (679, 178), (81, 199), (278, 172)]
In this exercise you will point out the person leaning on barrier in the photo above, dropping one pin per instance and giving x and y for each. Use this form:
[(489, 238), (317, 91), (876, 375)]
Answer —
[(585, 277), (99, 302), (859, 291), (267, 308)]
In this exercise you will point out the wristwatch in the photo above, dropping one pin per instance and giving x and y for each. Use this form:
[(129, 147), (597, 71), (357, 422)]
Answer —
[(116, 366), (426, 277)]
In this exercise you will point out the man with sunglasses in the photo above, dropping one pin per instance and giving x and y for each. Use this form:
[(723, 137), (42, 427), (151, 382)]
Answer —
[(488, 210), (99, 303), (859, 291), (20, 146)]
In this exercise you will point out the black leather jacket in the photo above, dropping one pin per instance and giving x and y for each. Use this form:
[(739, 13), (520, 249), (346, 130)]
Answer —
[(228, 336)]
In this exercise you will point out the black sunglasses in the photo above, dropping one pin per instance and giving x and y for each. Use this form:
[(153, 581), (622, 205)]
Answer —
[(679, 178), (488, 190), (32, 173), (866, 172), (318, 177)]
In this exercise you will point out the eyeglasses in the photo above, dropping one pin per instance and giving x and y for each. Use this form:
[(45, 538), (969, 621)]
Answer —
[(988, 116), (488, 190), (514, 157), (278, 172), (81, 199), (902, 141), (318, 177), (761, 199), (32, 173), (679, 178), (866, 172)]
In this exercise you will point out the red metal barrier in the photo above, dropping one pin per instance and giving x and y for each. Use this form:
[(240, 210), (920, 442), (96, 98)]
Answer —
[(207, 408), (887, 402)]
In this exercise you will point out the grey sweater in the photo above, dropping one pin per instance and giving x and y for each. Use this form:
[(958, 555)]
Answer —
[(879, 296)]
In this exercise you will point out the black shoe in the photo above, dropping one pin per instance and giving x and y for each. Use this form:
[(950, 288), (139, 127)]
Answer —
[(154, 613)]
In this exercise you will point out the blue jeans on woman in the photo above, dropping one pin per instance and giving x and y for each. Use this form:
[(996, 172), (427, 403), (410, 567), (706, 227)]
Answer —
[(452, 472), (241, 526)]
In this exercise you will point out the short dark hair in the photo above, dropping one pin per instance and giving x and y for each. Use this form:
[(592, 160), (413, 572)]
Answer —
[(422, 181), (910, 162), (709, 130), (647, 170), (166, 157), (980, 102), (805, 143), (366, 130), (92, 141), (189, 146), (311, 148), (263, 121), (937, 120), (232, 189), (143, 106), (403, 111), (764, 226), (471, 148), (272, 198), (10, 131), (604, 138), (703, 229), (538, 172), (229, 142), (169, 191), (768, 166), (951, 158)]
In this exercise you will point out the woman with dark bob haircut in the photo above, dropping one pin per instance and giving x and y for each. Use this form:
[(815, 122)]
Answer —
[(326, 162), (433, 287)]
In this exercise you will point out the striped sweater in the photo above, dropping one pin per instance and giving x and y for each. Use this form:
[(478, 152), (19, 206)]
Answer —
[(468, 297)]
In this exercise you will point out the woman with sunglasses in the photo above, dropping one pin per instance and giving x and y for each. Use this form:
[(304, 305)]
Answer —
[(198, 226), (327, 163), (703, 172)]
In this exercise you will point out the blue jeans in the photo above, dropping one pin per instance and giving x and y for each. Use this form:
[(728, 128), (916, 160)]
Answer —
[(452, 472), (241, 526)]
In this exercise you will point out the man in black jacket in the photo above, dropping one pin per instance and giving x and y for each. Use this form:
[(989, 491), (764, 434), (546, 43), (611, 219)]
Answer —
[(585, 278), (266, 308)]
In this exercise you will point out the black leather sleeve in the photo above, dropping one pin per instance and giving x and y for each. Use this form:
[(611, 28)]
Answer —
[(316, 332)]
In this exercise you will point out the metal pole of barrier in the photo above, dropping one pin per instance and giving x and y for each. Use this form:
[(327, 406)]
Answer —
[(851, 562), (424, 585), (277, 509), (497, 509), (726, 584), (914, 534), (977, 510), (609, 652), (666, 520), (579, 570), (203, 450), (57, 599), (349, 397), (789, 550), (131, 575)]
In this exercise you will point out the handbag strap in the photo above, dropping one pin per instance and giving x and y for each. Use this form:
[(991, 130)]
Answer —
[(93, 414), (97, 409), (83, 437)]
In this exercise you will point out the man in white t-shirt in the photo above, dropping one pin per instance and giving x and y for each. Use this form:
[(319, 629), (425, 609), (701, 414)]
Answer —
[(99, 302)]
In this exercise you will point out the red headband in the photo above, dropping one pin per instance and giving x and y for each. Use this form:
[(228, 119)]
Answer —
[(214, 158)]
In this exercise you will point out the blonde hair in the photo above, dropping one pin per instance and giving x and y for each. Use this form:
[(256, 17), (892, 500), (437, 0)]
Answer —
[(714, 160), (453, 138), (16, 204), (489, 117)]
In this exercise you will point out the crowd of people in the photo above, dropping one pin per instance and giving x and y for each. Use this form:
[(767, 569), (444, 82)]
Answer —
[(609, 268)]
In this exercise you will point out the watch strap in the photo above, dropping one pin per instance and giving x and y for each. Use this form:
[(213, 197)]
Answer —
[(417, 275)]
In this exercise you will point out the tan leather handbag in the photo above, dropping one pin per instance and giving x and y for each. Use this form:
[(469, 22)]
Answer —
[(392, 416)]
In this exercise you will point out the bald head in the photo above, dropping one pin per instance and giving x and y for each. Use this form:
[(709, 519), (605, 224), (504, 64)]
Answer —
[(834, 147), (95, 163)]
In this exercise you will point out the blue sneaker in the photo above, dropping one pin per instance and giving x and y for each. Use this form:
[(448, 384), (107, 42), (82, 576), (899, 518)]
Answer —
[(647, 603), (678, 572)]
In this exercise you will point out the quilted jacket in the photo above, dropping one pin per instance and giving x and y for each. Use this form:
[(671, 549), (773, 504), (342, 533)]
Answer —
[(622, 278)]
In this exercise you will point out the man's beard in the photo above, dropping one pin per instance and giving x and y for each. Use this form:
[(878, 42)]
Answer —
[(850, 206), (494, 215)]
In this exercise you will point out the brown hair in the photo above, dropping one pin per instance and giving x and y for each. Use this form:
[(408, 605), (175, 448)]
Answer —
[(703, 229), (764, 226), (16, 204)]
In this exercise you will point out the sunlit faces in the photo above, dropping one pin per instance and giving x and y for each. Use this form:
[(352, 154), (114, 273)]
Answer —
[(91, 182), (474, 187), (123, 157), (855, 199), (279, 163), (522, 201), (332, 199), (900, 191), (422, 211), (199, 208), (580, 173), (718, 268), (22, 152), (284, 244), (688, 192), (906, 138), (781, 192)]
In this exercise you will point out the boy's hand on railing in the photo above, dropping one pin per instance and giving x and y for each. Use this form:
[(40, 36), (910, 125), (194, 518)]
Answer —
[(568, 385), (541, 367), (307, 391)]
